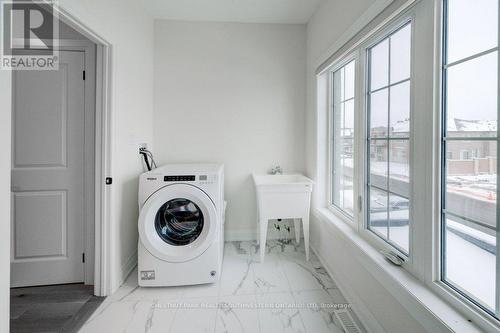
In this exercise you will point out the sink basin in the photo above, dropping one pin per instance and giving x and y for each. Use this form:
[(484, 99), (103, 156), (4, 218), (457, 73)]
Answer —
[(292, 179), (283, 197)]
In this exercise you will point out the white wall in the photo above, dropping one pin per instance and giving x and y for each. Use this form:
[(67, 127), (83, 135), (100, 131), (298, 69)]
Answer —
[(328, 24), (129, 29), (235, 94), (376, 305)]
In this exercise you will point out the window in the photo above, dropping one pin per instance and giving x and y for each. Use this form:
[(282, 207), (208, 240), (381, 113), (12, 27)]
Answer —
[(469, 184), (421, 169), (465, 155), (388, 185), (342, 116)]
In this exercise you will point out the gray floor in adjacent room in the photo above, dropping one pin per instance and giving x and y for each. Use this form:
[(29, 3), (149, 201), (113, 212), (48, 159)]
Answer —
[(58, 308)]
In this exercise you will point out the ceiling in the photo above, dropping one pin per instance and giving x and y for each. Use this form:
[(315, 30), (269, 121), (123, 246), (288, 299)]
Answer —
[(248, 11)]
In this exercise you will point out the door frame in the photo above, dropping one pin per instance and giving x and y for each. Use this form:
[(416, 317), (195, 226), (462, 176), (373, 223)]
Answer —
[(98, 237)]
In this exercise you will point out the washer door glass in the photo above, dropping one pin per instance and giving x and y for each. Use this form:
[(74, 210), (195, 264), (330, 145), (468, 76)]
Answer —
[(179, 222)]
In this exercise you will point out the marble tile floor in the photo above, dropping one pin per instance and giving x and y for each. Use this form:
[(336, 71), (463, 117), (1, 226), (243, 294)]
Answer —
[(283, 294)]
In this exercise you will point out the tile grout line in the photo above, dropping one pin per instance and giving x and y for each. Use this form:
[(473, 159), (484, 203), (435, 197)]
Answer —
[(173, 320), (255, 296), (293, 295), (217, 303)]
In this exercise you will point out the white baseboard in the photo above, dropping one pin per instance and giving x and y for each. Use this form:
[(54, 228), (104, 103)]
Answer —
[(240, 235), (128, 267)]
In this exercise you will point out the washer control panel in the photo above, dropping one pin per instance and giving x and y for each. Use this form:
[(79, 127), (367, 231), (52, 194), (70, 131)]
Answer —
[(189, 178)]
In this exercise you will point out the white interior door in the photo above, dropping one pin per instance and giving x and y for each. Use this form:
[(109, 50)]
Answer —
[(48, 174)]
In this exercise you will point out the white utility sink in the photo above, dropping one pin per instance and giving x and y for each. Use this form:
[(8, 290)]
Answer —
[(273, 180), (285, 196)]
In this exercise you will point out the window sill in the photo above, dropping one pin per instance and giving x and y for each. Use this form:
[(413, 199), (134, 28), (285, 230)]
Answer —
[(430, 310), (341, 216)]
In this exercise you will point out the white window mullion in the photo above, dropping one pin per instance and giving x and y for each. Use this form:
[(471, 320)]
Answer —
[(422, 143), (497, 305), (388, 142), (360, 139)]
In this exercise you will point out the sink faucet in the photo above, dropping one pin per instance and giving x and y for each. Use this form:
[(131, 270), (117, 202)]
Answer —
[(276, 170)]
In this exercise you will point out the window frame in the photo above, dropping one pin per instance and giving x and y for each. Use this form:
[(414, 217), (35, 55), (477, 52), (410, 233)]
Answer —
[(339, 212), (359, 54), (454, 293), (392, 28)]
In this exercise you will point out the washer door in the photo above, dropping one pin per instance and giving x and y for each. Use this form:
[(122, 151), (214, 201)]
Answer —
[(177, 223)]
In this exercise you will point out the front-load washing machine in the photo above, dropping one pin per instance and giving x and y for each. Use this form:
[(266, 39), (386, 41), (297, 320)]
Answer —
[(181, 225)]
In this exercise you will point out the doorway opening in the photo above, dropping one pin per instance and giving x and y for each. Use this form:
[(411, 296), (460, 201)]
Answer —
[(60, 159)]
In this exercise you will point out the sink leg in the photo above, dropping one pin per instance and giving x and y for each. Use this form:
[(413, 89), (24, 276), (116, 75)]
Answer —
[(297, 230), (305, 225), (263, 236)]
